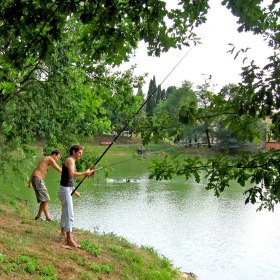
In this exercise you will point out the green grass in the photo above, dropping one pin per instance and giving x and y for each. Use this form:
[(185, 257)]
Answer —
[(29, 265), (90, 247), (29, 250)]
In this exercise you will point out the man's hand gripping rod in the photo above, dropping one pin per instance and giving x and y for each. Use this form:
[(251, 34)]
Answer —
[(92, 168)]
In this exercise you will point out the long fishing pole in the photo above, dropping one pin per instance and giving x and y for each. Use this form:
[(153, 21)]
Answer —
[(126, 125)]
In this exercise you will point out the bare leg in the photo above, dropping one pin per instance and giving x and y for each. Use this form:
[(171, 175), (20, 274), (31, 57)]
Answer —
[(44, 208), (46, 211), (70, 241), (62, 232), (62, 236)]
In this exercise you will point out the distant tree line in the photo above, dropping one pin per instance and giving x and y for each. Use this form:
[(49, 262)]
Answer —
[(192, 116)]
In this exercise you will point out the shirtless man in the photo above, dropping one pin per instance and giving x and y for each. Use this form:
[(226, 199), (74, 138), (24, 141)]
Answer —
[(37, 182)]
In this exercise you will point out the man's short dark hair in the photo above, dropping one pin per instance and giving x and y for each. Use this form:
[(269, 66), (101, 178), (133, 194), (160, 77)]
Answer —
[(55, 152), (75, 148)]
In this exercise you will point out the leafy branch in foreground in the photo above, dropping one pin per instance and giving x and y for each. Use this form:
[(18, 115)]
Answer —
[(261, 170), (16, 159)]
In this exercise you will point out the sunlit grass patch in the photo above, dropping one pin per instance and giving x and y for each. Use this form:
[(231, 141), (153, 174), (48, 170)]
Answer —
[(127, 255), (94, 267), (28, 265), (2, 258), (91, 248), (144, 264), (155, 271), (48, 270), (164, 262), (101, 268), (9, 267)]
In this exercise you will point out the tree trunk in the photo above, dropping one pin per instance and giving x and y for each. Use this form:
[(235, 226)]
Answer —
[(208, 137)]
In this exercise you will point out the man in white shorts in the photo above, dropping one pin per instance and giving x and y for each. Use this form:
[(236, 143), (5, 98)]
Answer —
[(68, 176)]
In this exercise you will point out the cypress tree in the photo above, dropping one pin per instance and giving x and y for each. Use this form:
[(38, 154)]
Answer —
[(151, 96)]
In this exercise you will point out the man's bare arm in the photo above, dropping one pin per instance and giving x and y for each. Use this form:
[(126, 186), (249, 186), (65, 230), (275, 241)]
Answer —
[(55, 165), (70, 164)]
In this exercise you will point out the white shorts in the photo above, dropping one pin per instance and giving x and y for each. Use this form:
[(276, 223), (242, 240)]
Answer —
[(67, 213)]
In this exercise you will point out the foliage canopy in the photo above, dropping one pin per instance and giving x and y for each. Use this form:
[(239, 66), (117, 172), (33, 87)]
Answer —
[(57, 77)]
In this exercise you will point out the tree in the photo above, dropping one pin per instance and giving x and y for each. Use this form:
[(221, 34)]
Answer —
[(68, 90), (166, 121), (108, 30), (163, 94), (97, 33), (57, 59), (103, 33), (205, 97), (255, 98), (151, 97)]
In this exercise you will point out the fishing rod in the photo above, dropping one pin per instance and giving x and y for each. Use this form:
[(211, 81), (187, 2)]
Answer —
[(126, 125)]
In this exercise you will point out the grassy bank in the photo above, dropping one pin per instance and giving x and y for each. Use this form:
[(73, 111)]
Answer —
[(129, 146), (30, 249)]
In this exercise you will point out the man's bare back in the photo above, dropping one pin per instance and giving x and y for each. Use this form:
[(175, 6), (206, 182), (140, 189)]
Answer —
[(42, 168)]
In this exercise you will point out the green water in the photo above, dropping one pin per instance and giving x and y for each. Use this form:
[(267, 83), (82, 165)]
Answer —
[(215, 238)]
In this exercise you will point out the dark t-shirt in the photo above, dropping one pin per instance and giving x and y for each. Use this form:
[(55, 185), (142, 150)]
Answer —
[(66, 181)]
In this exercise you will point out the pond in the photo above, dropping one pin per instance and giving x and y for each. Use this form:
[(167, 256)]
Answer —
[(215, 238)]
